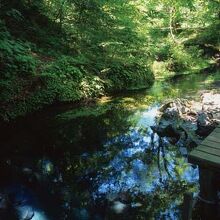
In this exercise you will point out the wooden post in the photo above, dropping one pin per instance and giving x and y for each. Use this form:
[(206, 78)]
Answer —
[(187, 206), (208, 194)]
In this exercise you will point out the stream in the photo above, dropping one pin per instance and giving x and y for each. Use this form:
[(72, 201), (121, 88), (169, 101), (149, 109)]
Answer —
[(98, 162)]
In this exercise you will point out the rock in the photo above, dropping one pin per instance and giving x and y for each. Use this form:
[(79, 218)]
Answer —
[(191, 139), (181, 121), (185, 123), (210, 98), (168, 131), (171, 113), (118, 207), (203, 119), (25, 212), (205, 124), (184, 110), (165, 106), (211, 102), (205, 130), (216, 116), (182, 140), (175, 108), (191, 143), (192, 113)]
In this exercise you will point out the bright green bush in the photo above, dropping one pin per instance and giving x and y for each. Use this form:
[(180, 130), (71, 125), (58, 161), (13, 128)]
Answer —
[(130, 77), (71, 81)]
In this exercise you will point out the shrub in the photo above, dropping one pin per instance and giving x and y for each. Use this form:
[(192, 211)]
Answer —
[(130, 77)]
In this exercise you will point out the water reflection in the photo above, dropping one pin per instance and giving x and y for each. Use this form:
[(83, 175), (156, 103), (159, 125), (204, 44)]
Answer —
[(104, 161), (140, 164)]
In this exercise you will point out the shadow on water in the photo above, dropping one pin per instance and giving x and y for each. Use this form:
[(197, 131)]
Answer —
[(99, 162)]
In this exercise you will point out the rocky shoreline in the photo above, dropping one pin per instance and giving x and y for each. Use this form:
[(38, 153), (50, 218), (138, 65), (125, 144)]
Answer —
[(187, 122)]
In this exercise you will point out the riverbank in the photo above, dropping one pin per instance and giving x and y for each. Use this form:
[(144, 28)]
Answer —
[(47, 59), (33, 78), (186, 123)]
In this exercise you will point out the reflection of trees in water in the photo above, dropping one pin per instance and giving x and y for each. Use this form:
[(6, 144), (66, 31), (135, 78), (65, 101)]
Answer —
[(90, 146), (136, 163), (97, 150), (161, 150), (74, 136)]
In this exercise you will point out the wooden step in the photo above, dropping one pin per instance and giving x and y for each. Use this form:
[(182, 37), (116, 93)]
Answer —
[(207, 154)]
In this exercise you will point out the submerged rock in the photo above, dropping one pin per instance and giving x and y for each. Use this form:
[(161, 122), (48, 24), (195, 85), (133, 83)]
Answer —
[(118, 207), (25, 212), (168, 131)]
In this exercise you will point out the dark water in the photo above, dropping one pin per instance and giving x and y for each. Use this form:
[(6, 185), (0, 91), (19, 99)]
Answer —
[(101, 161)]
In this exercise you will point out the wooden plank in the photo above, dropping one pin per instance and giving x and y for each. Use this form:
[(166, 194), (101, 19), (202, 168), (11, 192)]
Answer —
[(209, 150), (217, 130), (203, 156), (204, 159), (210, 143), (213, 137), (216, 134)]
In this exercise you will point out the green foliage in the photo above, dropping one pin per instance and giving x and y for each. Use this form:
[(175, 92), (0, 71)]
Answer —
[(69, 50), (129, 77), (15, 14), (70, 80), (15, 58), (17, 68), (211, 35), (59, 81)]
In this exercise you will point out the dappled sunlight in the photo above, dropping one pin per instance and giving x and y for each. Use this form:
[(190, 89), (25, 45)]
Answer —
[(208, 98), (105, 99), (102, 103), (134, 166)]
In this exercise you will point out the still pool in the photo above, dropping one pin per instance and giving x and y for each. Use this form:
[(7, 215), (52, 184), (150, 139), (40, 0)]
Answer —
[(100, 161)]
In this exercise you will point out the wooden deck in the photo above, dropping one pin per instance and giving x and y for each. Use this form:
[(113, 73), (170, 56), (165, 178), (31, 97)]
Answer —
[(207, 154)]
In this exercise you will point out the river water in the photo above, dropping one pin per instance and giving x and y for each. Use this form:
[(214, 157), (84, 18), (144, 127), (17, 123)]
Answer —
[(102, 161)]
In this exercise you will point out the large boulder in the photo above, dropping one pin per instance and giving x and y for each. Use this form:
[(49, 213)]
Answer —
[(205, 123)]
